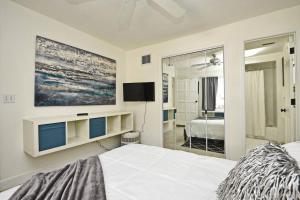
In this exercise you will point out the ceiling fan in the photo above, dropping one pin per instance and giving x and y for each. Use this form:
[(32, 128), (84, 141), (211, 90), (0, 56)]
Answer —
[(169, 8), (213, 61)]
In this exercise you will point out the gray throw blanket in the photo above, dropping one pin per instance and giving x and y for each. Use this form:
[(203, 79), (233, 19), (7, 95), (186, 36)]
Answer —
[(82, 180)]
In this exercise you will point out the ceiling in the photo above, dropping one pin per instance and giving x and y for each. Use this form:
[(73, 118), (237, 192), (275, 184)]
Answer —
[(100, 17), (267, 45)]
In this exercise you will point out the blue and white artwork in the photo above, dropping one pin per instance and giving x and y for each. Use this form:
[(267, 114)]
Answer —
[(68, 76), (165, 83)]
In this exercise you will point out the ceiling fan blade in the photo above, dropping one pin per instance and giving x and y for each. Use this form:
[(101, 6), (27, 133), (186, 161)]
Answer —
[(77, 2), (200, 65), (126, 13), (169, 7)]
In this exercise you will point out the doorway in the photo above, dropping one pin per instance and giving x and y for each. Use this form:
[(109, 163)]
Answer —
[(270, 94)]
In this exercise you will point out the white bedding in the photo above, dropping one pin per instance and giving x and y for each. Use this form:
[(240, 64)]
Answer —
[(215, 128), (294, 150), (140, 172)]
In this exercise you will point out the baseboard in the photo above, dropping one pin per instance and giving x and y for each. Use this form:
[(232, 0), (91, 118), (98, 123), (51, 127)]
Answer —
[(15, 180), (19, 179)]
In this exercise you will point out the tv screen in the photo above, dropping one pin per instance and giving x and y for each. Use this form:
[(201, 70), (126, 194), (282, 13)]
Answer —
[(144, 91)]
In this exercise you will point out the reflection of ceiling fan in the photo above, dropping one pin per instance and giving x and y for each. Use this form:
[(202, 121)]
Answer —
[(213, 61), (169, 8)]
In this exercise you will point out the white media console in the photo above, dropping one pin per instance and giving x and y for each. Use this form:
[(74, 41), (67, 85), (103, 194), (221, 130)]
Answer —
[(46, 135)]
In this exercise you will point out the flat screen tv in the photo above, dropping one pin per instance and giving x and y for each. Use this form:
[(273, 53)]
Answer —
[(143, 91)]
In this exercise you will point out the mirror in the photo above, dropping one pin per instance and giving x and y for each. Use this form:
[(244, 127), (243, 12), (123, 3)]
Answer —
[(193, 102), (270, 90)]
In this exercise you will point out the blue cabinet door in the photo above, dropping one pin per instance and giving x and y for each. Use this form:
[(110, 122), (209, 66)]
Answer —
[(97, 127), (52, 135), (219, 114), (165, 115)]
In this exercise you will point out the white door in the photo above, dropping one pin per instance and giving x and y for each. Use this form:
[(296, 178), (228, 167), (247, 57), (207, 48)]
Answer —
[(290, 112), (186, 100), (286, 90)]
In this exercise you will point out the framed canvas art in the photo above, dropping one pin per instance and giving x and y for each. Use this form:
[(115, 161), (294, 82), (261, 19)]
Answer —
[(69, 76), (165, 87)]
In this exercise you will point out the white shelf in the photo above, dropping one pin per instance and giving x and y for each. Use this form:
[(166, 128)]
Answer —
[(169, 108), (113, 124), (76, 132), (170, 120), (126, 122)]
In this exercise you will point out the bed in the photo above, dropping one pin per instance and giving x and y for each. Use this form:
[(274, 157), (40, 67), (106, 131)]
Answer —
[(215, 128), (140, 172)]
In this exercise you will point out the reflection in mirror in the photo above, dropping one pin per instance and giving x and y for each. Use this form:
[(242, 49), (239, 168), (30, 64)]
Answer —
[(193, 102), (270, 90)]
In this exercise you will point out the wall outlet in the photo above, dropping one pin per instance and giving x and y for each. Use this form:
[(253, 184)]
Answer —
[(9, 98)]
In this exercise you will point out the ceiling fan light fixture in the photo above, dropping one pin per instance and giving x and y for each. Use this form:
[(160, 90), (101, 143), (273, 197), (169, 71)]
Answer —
[(170, 7), (77, 2), (126, 14)]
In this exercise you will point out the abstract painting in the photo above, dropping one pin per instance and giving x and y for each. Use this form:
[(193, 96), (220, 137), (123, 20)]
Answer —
[(165, 88), (69, 76)]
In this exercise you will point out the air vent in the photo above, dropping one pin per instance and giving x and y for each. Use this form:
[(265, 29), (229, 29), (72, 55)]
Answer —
[(268, 44), (146, 59)]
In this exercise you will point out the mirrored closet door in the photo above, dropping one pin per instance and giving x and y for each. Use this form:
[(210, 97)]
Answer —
[(270, 103), (193, 102)]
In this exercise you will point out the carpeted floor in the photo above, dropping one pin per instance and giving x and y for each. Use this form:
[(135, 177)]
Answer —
[(200, 143)]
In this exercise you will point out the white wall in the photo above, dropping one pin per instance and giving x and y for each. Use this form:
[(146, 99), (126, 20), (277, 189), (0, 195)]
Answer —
[(232, 36), (18, 29)]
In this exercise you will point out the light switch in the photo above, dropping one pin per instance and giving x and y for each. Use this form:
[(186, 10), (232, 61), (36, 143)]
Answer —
[(9, 98)]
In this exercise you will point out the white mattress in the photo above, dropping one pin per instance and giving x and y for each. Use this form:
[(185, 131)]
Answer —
[(215, 128), (140, 172)]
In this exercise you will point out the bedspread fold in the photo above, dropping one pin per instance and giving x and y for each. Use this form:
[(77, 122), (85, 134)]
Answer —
[(82, 180)]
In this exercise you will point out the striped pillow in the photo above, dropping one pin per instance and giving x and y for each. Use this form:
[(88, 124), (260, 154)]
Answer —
[(267, 172)]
